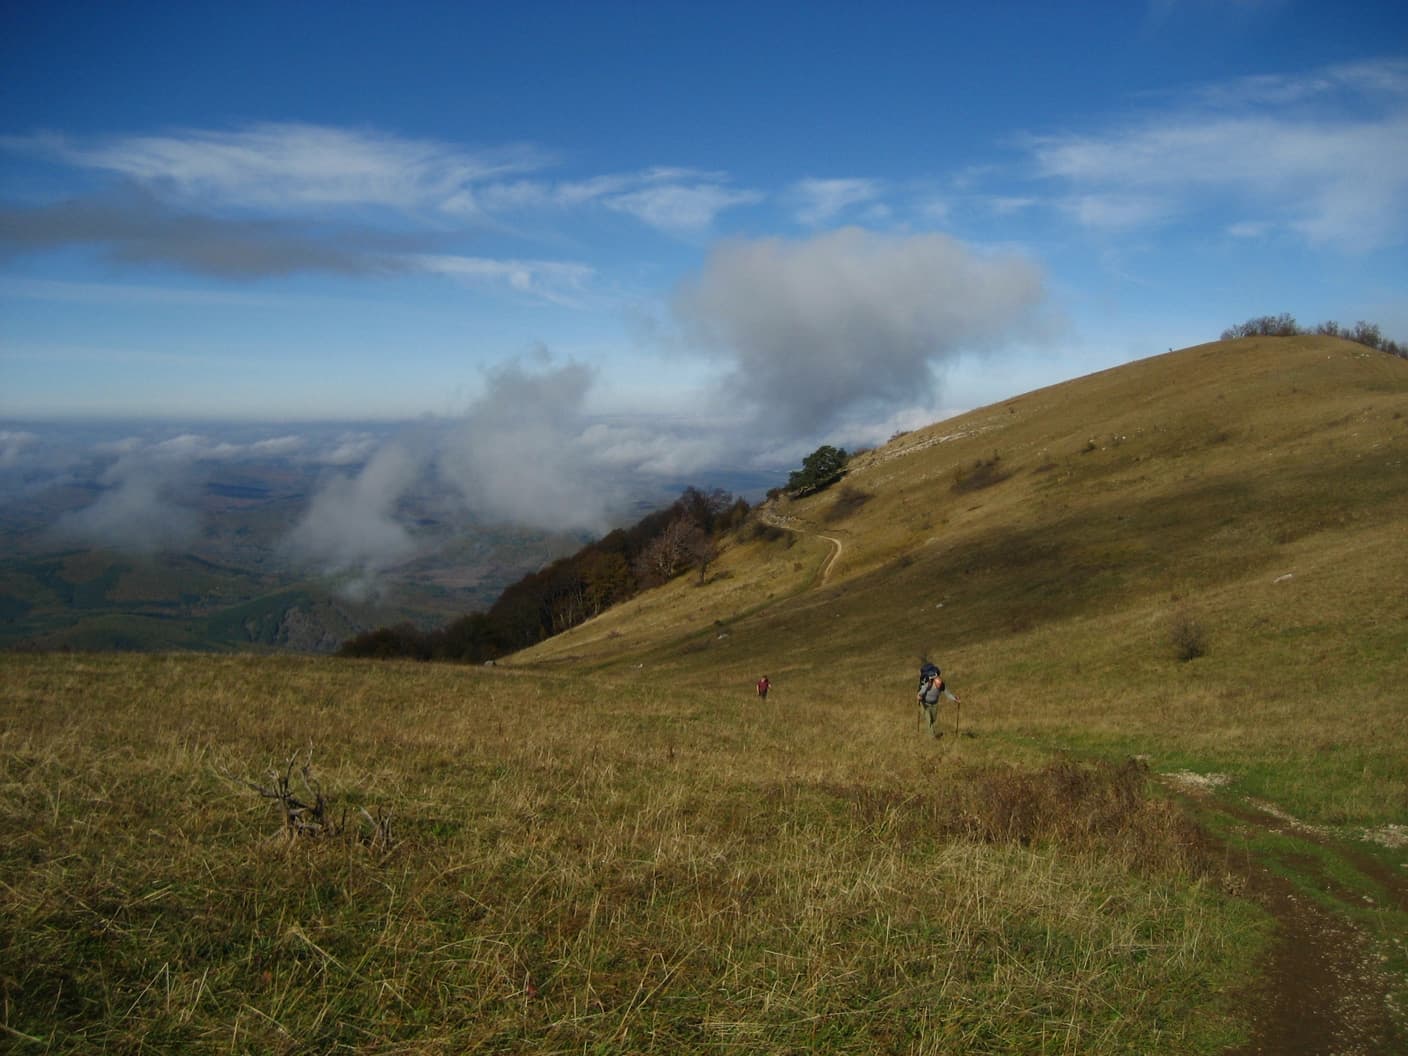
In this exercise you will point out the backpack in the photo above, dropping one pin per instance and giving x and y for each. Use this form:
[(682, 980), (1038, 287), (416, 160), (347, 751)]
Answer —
[(927, 672)]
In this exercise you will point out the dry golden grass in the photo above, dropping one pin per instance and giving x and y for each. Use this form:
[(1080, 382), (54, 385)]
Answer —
[(575, 867)]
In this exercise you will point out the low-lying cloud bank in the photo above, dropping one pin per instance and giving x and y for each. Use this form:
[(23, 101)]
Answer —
[(141, 509)]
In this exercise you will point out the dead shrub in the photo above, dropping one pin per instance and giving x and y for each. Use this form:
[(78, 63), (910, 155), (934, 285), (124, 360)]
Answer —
[(1188, 637), (307, 812)]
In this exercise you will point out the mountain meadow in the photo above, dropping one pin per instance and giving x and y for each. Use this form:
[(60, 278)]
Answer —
[(1167, 814)]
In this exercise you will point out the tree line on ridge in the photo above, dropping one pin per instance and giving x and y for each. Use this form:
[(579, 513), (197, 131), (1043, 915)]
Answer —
[(660, 546)]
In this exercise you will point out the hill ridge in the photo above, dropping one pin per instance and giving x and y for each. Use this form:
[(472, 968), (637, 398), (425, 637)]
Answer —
[(1245, 414)]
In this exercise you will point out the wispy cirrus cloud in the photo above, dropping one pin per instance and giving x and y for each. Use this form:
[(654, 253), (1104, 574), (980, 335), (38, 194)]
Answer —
[(1279, 146), (288, 169), (558, 282), (1343, 84), (681, 208), (284, 168), (822, 201), (672, 200), (281, 199), (1114, 211), (137, 228)]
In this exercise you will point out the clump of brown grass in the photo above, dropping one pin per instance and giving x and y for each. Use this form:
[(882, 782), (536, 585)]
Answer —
[(1188, 637), (1098, 807)]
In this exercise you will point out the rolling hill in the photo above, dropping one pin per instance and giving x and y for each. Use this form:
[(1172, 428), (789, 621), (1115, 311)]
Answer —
[(1173, 590), (1199, 560), (1048, 550)]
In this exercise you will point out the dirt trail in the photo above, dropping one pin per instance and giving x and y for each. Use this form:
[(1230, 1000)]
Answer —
[(1322, 989), (779, 522)]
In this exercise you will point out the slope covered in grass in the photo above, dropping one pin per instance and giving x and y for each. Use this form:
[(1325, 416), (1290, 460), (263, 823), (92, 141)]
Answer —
[(1047, 550)]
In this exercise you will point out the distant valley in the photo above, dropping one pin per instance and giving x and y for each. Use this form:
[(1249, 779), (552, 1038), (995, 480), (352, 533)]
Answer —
[(195, 553)]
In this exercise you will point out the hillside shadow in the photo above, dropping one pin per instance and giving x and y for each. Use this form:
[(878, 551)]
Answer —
[(1085, 559)]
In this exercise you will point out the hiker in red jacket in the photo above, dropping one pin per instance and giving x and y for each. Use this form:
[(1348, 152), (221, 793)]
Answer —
[(763, 686)]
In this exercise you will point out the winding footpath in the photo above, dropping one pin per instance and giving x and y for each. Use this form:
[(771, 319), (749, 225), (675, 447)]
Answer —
[(773, 520)]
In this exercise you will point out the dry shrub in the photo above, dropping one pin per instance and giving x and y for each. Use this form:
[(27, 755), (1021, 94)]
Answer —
[(307, 812), (1087, 807), (1188, 637)]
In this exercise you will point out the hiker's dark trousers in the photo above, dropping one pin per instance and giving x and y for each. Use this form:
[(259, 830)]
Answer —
[(931, 711)]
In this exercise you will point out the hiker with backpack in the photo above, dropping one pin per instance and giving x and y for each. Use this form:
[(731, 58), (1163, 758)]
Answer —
[(931, 690)]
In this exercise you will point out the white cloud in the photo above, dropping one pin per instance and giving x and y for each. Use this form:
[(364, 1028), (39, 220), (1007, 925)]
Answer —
[(935, 210), (680, 208), (279, 199), (676, 201), (659, 447), (515, 456), (289, 167), (14, 443), (141, 508), (558, 282), (1009, 205), (1381, 79), (1113, 212), (195, 447), (1339, 178), (278, 446), (821, 201), (350, 524), (850, 322), (1249, 229), (349, 449)]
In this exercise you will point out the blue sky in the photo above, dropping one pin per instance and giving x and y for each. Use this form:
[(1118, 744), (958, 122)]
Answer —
[(790, 222)]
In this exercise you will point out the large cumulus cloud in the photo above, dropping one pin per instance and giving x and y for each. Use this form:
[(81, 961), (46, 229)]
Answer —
[(517, 454), (850, 322)]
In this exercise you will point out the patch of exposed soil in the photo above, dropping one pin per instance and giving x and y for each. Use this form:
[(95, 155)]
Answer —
[(1323, 989)]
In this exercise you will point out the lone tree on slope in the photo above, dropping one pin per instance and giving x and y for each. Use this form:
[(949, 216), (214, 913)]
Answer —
[(822, 467)]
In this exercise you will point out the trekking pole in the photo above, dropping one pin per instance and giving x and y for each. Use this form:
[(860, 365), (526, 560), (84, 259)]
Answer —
[(957, 710)]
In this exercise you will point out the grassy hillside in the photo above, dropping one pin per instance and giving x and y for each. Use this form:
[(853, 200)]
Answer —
[(608, 844), (1046, 550)]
